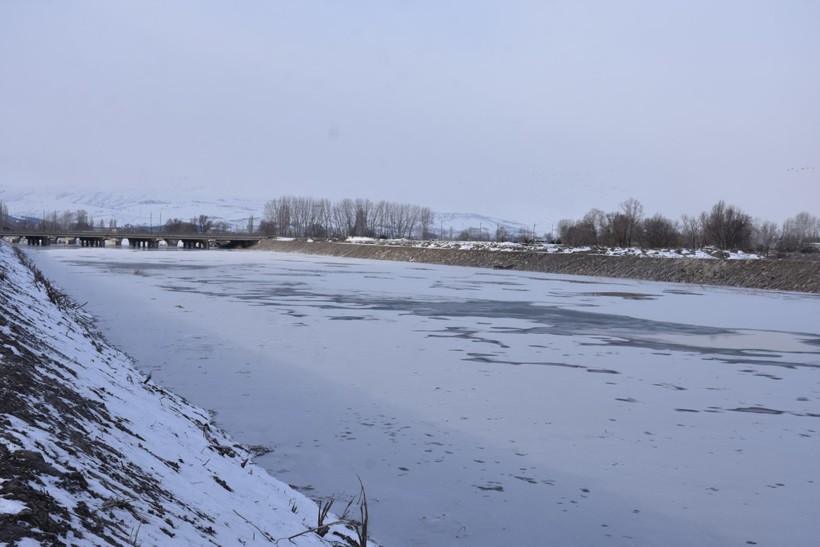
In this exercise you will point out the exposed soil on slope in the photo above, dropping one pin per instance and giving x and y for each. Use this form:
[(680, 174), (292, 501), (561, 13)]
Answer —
[(791, 274)]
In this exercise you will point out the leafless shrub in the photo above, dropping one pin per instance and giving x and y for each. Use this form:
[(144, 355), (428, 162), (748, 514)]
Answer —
[(362, 525), (324, 509)]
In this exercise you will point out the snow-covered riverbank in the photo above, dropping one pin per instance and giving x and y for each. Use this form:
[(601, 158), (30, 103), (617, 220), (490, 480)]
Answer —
[(93, 452)]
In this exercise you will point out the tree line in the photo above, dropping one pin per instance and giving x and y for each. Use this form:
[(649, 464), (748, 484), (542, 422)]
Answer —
[(723, 226), (726, 227), (292, 216)]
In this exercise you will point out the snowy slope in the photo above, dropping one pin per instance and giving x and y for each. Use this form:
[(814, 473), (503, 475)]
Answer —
[(92, 452)]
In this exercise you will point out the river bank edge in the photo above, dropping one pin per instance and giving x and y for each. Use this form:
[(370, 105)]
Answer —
[(789, 274)]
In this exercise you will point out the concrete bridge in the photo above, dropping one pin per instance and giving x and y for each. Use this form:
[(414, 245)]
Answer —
[(135, 240)]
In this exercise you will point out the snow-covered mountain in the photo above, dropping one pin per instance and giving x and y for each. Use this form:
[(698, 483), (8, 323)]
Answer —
[(154, 206), (140, 207)]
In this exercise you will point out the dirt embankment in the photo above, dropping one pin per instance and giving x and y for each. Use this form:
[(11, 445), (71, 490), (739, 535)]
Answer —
[(769, 274)]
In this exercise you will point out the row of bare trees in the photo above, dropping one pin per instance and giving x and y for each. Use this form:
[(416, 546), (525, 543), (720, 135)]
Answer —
[(723, 226), (292, 216), (74, 220), (202, 224)]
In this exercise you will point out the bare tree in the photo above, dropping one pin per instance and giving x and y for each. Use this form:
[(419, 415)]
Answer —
[(595, 224), (576, 233), (617, 233), (344, 214), (277, 217), (81, 220), (764, 235), (633, 214), (472, 234), (179, 226), (51, 221), (692, 231), (219, 227), (727, 227), (658, 232), (426, 222), (203, 224), (799, 231), (66, 220), (501, 233), (360, 228)]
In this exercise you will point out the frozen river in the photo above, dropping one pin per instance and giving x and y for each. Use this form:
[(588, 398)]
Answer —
[(487, 407)]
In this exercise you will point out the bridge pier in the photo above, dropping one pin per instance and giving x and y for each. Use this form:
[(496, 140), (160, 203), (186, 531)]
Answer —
[(143, 243), (37, 241), (92, 242), (195, 243)]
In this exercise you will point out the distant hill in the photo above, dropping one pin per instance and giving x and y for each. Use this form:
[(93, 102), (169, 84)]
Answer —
[(133, 207), (155, 207), (465, 221)]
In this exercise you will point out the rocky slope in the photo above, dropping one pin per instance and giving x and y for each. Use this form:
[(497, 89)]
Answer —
[(769, 274)]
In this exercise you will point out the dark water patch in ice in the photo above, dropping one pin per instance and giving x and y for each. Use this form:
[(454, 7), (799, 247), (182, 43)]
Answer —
[(757, 410), (350, 318), (559, 321), (624, 295), (754, 362), (464, 334), (574, 281), (603, 371), (488, 359), (761, 374), (682, 292), (670, 386)]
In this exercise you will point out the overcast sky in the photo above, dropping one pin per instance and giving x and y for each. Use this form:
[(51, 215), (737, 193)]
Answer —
[(533, 111)]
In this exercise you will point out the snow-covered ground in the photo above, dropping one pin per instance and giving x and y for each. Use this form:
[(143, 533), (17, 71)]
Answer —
[(92, 452), (485, 407), (708, 253)]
